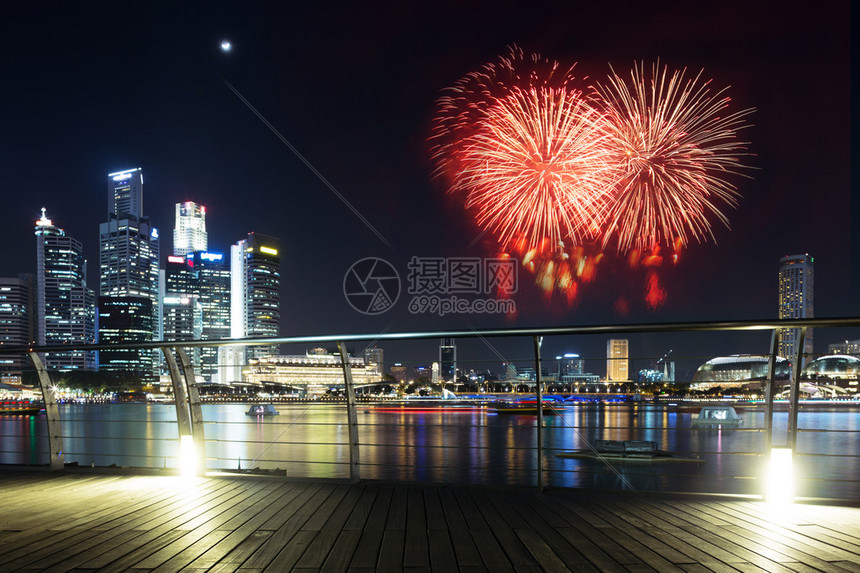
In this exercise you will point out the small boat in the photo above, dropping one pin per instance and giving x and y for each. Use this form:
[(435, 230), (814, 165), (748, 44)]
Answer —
[(262, 410), (20, 408), (627, 451), (717, 417)]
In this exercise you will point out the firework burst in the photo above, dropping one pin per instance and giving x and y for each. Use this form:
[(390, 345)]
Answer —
[(674, 147)]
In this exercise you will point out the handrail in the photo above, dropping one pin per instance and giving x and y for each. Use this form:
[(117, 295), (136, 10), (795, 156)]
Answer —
[(764, 324)]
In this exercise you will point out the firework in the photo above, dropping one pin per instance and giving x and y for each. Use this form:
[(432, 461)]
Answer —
[(674, 147)]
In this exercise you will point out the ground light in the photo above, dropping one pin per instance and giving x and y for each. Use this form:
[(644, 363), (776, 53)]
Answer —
[(780, 478), (187, 456)]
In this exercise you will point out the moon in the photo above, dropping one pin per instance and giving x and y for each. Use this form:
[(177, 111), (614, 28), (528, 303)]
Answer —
[(226, 46)]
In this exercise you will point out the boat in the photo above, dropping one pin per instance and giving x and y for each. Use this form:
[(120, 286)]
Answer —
[(628, 451), (717, 417), (20, 408), (262, 410)]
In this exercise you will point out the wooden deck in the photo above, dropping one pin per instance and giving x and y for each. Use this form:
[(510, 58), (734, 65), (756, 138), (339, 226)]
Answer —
[(90, 522)]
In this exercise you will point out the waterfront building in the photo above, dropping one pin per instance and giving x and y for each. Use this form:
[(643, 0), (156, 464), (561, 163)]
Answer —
[(399, 371), (212, 273), (313, 374), (126, 319), (17, 319), (448, 359), (128, 262), (189, 231), (796, 283), (851, 347), (374, 355), (737, 369), (65, 306), (617, 360), (568, 364), (255, 299)]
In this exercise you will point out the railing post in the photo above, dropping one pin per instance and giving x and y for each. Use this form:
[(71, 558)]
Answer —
[(183, 415), (795, 392), (768, 392), (539, 397), (52, 413), (194, 409), (351, 417)]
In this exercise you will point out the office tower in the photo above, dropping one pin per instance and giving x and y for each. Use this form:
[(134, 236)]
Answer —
[(568, 365), (128, 259), (126, 319), (181, 314), (374, 356), (448, 360), (616, 360), (796, 282), (848, 347), (17, 319), (212, 273), (65, 307), (189, 232), (255, 299)]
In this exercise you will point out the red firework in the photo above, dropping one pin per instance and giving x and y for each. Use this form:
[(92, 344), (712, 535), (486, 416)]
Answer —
[(674, 146)]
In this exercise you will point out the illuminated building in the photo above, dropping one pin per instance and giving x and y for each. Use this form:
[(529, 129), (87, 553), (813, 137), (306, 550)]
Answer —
[(374, 355), (796, 282), (65, 307), (616, 360), (212, 273), (311, 374), (447, 360), (255, 293), (17, 319), (568, 364), (399, 371), (733, 371), (128, 256), (848, 347), (834, 367), (189, 232), (181, 308), (126, 319)]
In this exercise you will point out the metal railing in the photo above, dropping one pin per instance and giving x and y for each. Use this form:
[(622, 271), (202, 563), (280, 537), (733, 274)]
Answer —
[(449, 444)]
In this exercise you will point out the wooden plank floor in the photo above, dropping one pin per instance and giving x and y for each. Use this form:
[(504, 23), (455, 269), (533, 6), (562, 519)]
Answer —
[(90, 522)]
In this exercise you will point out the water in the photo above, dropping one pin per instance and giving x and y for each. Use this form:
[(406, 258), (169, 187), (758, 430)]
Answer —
[(456, 445)]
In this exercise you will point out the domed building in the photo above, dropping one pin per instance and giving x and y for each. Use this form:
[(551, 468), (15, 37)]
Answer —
[(737, 369), (833, 366)]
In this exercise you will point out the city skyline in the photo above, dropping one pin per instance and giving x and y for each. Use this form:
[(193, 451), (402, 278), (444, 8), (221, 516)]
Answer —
[(365, 129)]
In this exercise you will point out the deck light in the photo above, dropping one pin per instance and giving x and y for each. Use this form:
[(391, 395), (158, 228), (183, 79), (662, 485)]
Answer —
[(187, 456), (780, 479)]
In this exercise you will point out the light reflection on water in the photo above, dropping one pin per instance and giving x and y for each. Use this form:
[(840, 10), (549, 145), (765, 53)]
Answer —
[(455, 446)]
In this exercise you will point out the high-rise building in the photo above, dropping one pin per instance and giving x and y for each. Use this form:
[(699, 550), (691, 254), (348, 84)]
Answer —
[(65, 306), (255, 299), (568, 365), (796, 282), (189, 232), (17, 319), (126, 319), (374, 356), (128, 259), (212, 272), (616, 360), (181, 314), (448, 359)]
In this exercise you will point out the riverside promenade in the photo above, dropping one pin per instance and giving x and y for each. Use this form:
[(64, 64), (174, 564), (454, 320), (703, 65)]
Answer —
[(77, 521)]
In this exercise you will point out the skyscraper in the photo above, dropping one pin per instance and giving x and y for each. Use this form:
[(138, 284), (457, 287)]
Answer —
[(448, 359), (65, 307), (189, 232), (616, 360), (128, 260), (796, 282), (17, 320), (212, 272), (255, 299)]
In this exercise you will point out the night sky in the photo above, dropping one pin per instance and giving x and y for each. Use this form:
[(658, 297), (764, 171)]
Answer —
[(353, 86)]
